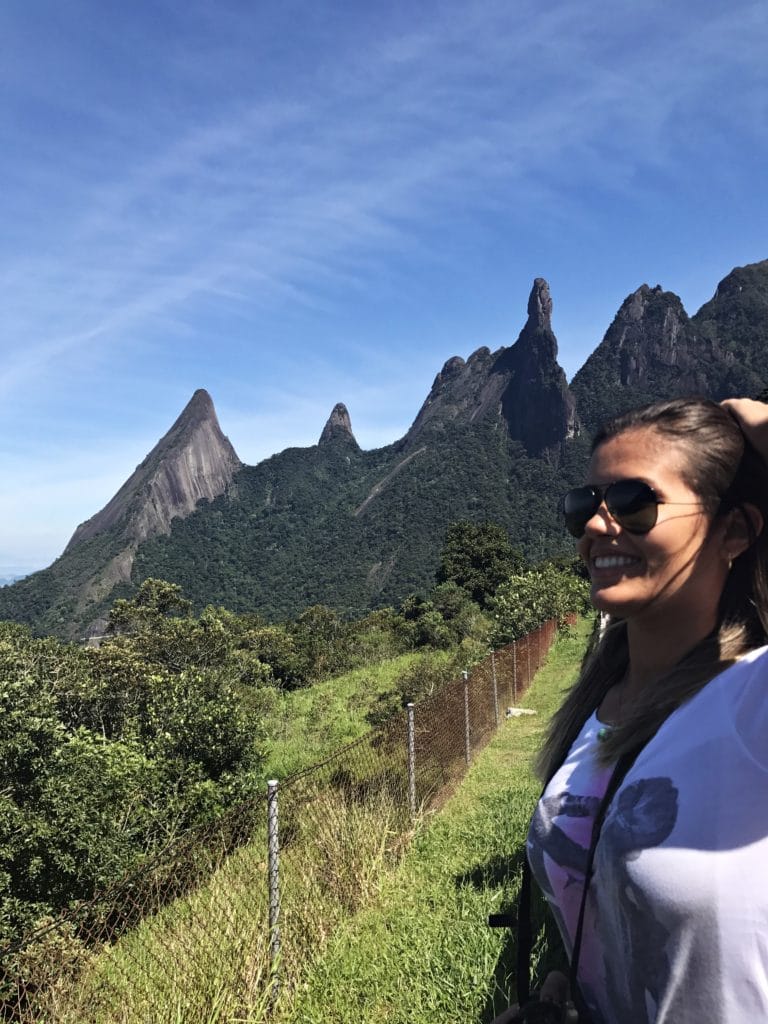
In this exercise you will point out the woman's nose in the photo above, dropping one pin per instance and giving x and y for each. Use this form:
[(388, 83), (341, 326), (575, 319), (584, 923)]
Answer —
[(601, 522)]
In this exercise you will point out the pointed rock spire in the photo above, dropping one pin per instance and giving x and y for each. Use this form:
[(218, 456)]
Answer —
[(523, 385), (194, 460), (536, 402), (338, 426), (540, 306)]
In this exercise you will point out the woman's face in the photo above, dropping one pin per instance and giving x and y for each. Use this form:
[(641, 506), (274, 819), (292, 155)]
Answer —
[(676, 571)]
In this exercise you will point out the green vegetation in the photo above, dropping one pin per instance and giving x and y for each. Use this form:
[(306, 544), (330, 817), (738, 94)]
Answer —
[(306, 725), (115, 751), (298, 530), (421, 952), (110, 752), (106, 755), (371, 929), (478, 557), (525, 599)]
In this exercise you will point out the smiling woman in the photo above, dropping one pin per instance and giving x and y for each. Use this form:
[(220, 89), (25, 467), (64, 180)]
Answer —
[(655, 809)]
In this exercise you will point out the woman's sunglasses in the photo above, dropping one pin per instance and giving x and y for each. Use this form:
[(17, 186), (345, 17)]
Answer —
[(632, 503)]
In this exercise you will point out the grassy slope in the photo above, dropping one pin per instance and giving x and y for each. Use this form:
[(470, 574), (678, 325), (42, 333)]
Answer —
[(306, 725), (420, 953), (424, 953)]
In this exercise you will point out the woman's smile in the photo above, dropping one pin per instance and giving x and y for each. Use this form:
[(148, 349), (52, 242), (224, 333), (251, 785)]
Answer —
[(600, 563)]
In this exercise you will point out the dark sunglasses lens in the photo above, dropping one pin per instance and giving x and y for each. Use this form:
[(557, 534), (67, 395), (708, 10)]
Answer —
[(579, 505), (633, 504)]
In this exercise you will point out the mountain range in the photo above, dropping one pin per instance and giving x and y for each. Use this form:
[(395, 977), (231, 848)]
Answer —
[(499, 436)]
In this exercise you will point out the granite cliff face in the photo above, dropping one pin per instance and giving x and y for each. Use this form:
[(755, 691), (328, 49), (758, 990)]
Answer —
[(522, 387), (338, 427), (536, 403), (194, 460), (653, 350), (648, 352), (734, 323)]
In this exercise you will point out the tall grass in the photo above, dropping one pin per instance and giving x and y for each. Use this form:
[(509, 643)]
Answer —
[(305, 725), (372, 928), (205, 957), (423, 952)]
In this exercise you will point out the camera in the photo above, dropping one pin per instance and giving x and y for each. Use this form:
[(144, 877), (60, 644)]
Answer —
[(537, 1012)]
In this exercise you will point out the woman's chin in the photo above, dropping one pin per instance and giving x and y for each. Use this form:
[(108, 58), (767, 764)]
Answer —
[(609, 599)]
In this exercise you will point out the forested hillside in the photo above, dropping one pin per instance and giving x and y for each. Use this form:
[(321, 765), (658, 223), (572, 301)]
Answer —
[(500, 436)]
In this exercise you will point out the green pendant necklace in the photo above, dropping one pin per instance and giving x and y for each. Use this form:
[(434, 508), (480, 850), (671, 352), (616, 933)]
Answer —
[(605, 729)]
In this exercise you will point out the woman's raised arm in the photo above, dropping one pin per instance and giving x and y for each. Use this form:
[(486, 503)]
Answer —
[(752, 417)]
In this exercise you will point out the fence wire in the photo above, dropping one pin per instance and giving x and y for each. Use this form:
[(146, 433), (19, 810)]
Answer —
[(186, 938)]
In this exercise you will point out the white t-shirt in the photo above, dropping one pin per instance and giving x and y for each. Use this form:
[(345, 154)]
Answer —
[(676, 923)]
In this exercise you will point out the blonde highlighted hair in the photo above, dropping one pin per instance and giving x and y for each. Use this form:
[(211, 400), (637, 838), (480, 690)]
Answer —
[(722, 468)]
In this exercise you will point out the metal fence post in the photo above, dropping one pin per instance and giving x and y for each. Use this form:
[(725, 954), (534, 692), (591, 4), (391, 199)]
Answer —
[(411, 762), (467, 749), (274, 884), (495, 689), (514, 672)]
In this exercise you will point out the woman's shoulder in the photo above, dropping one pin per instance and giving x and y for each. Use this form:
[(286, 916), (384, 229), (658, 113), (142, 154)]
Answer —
[(742, 692)]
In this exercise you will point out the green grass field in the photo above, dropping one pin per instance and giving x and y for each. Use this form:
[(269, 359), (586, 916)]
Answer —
[(423, 953)]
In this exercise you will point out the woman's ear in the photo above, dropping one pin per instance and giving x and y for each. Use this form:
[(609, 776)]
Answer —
[(744, 526)]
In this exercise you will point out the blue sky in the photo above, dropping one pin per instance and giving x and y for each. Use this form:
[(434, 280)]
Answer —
[(298, 203)]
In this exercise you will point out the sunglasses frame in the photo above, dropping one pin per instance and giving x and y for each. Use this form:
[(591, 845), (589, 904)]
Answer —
[(602, 495)]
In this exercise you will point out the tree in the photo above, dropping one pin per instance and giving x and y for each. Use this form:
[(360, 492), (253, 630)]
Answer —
[(528, 599), (154, 600), (320, 639), (478, 557)]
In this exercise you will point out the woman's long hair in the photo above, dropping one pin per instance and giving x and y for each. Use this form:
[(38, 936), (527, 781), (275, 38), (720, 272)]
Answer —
[(723, 469)]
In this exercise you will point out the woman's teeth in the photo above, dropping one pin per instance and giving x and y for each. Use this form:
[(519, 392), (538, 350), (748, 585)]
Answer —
[(612, 561)]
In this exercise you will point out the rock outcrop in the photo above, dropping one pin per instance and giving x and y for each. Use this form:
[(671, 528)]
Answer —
[(338, 427), (730, 323), (523, 386), (653, 350), (536, 403), (648, 352), (194, 460)]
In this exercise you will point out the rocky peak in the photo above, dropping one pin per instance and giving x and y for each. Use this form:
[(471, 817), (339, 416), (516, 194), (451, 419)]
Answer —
[(540, 306), (192, 461), (739, 308), (650, 351), (523, 386), (457, 392), (536, 403), (651, 327), (338, 427)]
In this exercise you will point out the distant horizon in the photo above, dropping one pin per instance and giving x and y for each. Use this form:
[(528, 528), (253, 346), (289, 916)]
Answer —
[(293, 205)]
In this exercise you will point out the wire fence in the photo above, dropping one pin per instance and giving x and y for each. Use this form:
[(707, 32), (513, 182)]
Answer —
[(221, 925)]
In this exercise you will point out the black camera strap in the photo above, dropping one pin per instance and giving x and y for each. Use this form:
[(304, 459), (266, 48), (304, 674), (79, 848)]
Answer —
[(524, 927)]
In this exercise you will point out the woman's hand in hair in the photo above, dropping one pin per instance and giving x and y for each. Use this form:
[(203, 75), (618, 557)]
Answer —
[(752, 417)]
